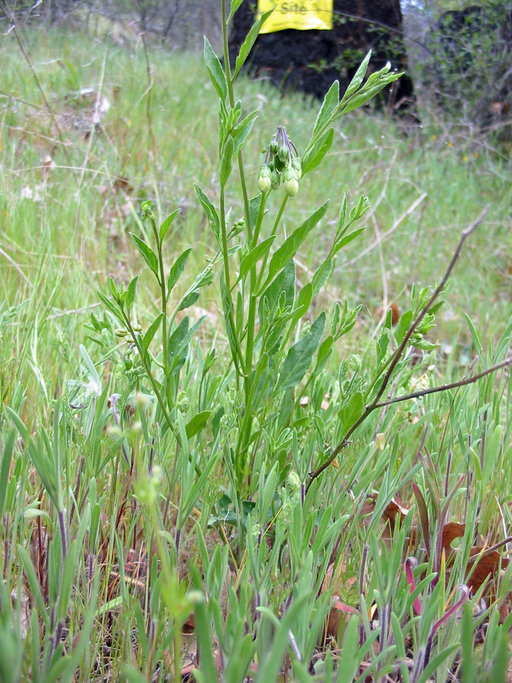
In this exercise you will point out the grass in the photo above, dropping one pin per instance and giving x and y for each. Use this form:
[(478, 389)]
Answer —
[(129, 546)]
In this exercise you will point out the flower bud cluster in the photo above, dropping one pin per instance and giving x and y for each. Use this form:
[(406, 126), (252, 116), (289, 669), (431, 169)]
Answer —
[(282, 162)]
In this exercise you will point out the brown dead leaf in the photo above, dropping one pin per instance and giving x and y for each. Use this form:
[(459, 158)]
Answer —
[(190, 624), (394, 510), (395, 313), (481, 566), (340, 610), (451, 531)]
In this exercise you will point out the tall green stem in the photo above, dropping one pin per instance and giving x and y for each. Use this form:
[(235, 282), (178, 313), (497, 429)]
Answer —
[(245, 432), (231, 95), (236, 351), (163, 297)]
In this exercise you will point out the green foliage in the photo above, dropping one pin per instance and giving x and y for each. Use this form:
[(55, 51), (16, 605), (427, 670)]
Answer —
[(172, 487), (467, 67)]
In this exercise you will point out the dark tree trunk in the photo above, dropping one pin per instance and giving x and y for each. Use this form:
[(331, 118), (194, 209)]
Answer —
[(310, 61)]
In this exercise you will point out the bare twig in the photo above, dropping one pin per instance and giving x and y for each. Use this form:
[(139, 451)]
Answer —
[(446, 387), (14, 31), (15, 265), (400, 351)]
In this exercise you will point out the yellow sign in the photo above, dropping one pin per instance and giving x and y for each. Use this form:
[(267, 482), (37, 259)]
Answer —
[(302, 15)]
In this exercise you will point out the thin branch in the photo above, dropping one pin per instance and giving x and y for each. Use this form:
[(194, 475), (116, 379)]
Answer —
[(400, 351), (398, 354), (15, 265), (445, 387), (53, 119)]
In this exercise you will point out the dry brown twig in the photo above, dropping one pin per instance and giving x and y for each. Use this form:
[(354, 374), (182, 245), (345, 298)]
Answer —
[(376, 402)]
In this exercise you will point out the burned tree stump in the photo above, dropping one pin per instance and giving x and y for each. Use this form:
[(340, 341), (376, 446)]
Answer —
[(309, 61)]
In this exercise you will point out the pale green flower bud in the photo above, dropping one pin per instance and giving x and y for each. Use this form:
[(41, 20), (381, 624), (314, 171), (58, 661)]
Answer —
[(283, 154), (297, 165), (291, 182), (265, 178), (276, 179)]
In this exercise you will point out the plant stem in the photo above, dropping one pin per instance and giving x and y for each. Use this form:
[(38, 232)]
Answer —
[(245, 433), (163, 296), (234, 344), (274, 230), (149, 374), (231, 95)]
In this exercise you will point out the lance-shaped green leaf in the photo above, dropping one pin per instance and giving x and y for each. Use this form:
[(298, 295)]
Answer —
[(215, 70), (210, 211), (357, 211), (177, 270), (252, 258), (226, 162), (242, 130), (147, 253), (289, 247), (92, 373), (197, 423), (324, 351), (235, 4), (357, 79), (166, 224), (207, 668), (368, 93), (302, 303), (204, 278), (352, 411), (179, 341), (129, 295), (249, 41), (318, 151), (403, 326), (350, 654), (346, 239), (284, 284), (331, 101), (268, 670), (111, 306), (151, 331), (299, 356), (321, 276)]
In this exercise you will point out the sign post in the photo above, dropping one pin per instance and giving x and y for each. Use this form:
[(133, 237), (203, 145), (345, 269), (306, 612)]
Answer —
[(301, 15)]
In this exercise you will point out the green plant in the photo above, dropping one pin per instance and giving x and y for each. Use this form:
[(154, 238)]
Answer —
[(268, 495), (277, 350)]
